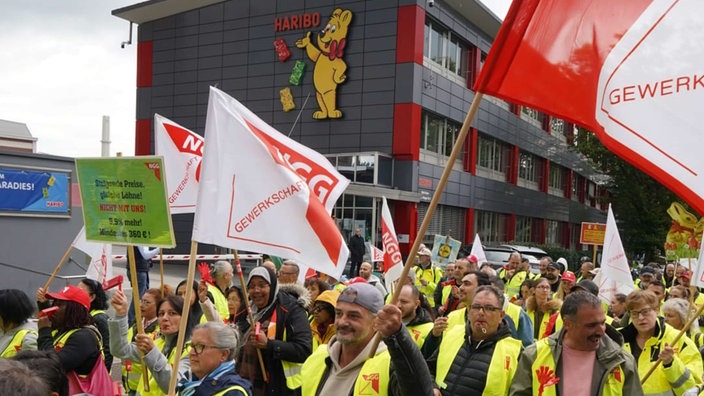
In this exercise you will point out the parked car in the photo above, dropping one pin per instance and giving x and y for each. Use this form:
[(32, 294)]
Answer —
[(498, 256)]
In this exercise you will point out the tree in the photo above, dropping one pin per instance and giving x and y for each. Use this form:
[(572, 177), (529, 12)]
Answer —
[(639, 202)]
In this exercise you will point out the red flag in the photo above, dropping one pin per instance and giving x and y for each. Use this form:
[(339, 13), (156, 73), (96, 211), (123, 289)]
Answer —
[(629, 72), (393, 261)]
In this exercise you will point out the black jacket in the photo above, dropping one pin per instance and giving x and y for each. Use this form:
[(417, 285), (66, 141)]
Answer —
[(357, 248), (468, 373), (78, 354)]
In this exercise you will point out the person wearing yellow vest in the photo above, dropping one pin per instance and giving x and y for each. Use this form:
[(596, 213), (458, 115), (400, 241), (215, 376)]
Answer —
[(483, 360), (69, 332), (284, 338), (212, 373), (322, 326), (449, 289), (427, 276), (414, 314), (98, 305), (343, 366), (132, 370), (519, 271), (583, 359), (676, 311), (158, 350), (648, 338), (541, 306), (16, 332), (222, 277)]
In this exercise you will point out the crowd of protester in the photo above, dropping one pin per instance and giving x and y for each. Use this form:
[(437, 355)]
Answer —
[(464, 328)]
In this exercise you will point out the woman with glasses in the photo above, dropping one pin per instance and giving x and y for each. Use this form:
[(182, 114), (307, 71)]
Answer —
[(540, 306), (212, 357), (649, 338), (157, 349), (323, 324), (132, 370), (237, 312)]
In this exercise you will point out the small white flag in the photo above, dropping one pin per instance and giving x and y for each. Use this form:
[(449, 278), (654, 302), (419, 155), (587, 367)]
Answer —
[(100, 268), (615, 275), (376, 253), (478, 251)]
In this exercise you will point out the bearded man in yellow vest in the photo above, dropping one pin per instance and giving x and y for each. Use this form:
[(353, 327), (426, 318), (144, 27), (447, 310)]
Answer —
[(414, 314), (343, 366), (583, 359), (481, 357)]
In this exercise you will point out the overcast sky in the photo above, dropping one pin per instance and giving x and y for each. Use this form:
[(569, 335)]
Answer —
[(62, 69)]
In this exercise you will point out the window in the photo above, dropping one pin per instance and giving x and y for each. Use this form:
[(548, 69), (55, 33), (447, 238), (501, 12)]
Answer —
[(447, 220), (533, 116), (491, 227), (529, 170), (491, 158), (438, 136), (445, 50), (555, 182), (554, 233), (524, 226)]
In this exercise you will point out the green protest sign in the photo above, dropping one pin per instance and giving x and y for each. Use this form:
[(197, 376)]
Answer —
[(124, 201)]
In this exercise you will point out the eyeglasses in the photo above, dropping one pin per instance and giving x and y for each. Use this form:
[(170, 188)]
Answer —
[(198, 348), (544, 287), (643, 312), (485, 308)]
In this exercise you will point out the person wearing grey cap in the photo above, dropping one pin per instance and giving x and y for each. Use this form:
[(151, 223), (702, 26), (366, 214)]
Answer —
[(283, 337), (343, 366)]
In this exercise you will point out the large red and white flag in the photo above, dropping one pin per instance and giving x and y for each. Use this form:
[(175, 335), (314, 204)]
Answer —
[(182, 150), (263, 192), (615, 275), (100, 267), (393, 261), (629, 71)]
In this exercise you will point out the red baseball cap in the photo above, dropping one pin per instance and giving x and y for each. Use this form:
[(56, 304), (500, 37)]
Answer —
[(473, 258), (356, 279), (686, 274), (569, 276), (72, 293)]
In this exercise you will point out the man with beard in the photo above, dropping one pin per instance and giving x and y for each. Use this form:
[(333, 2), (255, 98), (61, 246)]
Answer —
[(582, 359), (365, 271), (413, 315), (544, 262), (343, 366), (553, 275), (478, 358)]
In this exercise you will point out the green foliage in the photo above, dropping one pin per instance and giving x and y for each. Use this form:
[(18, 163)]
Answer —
[(638, 201)]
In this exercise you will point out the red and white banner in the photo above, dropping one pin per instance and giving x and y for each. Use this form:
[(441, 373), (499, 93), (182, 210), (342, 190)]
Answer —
[(263, 192), (376, 253), (478, 251), (615, 275), (100, 267), (393, 261), (182, 150), (631, 73)]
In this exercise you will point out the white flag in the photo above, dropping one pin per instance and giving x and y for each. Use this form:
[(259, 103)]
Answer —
[(376, 253), (478, 251), (182, 150), (393, 261), (615, 275), (263, 192), (698, 277), (100, 268)]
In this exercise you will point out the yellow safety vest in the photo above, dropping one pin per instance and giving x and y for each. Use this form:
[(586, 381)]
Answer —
[(432, 275), (15, 344), (613, 386), (130, 378), (232, 388), (446, 292), (513, 286), (154, 389), (456, 318), (220, 301), (373, 378), (542, 326), (292, 371), (502, 367), (687, 360), (419, 332), (514, 312)]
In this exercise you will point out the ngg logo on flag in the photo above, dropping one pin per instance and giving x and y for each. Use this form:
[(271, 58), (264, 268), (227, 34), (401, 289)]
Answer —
[(261, 191)]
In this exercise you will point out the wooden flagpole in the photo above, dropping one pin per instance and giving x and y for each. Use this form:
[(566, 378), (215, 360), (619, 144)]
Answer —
[(456, 149), (137, 313), (184, 318), (672, 344), (58, 267), (245, 295), (161, 270)]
